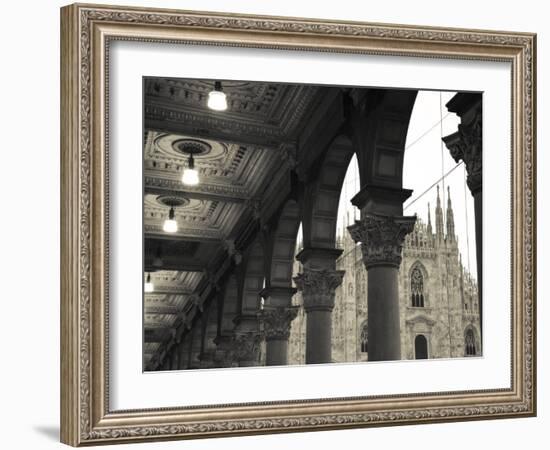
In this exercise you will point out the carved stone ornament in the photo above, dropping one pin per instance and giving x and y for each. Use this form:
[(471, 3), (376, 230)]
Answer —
[(224, 355), (381, 238), (468, 147), (318, 286), (246, 346), (277, 322)]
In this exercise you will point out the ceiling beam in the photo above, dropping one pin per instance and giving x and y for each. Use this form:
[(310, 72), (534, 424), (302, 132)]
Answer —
[(179, 266), (170, 290), (157, 326), (211, 133), (172, 310), (157, 233), (195, 194), (159, 185)]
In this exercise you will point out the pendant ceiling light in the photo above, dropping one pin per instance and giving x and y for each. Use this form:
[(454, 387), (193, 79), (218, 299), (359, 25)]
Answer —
[(216, 98), (170, 224), (190, 174), (149, 286)]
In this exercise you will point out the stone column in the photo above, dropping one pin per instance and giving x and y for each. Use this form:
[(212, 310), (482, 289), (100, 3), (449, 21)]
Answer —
[(207, 356), (194, 362), (381, 240), (277, 315), (317, 282), (277, 322), (183, 350), (174, 359), (246, 348), (169, 358), (247, 339), (466, 145)]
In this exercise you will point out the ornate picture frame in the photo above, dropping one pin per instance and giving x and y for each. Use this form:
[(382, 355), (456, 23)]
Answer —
[(87, 32)]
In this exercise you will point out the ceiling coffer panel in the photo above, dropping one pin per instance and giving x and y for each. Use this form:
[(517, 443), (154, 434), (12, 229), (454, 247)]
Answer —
[(238, 153)]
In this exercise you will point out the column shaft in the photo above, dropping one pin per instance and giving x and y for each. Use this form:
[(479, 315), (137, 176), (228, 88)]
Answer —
[(183, 352), (318, 336), (384, 334), (276, 352), (479, 253), (318, 283), (381, 240), (467, 145), (277, 317), (174, 359)]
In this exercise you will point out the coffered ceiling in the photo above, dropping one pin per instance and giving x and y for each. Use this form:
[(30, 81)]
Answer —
[(259, 113), (239, 154)]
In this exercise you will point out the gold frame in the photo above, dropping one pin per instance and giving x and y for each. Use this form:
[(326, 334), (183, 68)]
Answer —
[(86, 31)]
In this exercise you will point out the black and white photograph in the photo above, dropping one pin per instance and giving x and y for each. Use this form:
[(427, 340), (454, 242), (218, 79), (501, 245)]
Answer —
[(295, 224), (275, 225)]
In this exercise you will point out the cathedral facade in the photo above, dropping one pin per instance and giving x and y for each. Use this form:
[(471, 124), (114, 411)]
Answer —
[(439, 314)]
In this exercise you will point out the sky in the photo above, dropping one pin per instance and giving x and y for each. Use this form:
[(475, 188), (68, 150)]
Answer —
[(426, 161)]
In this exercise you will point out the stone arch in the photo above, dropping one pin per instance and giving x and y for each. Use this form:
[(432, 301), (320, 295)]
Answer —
[(379, 124), (279, 259), (320, 202)]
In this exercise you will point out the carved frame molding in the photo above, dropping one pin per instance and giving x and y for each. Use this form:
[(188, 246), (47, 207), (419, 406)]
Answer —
[(87, 30)]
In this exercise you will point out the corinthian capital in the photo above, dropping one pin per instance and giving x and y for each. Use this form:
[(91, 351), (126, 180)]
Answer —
[(247, 346), (466, 145), (317, 286), (381, 238), (277, 322)]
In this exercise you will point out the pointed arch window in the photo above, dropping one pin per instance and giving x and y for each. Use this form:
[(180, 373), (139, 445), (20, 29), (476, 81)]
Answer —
[(470, 343), (417, 288), (364, 339)]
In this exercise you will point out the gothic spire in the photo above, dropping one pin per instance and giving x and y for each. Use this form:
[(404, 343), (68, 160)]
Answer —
[(438, 218), (429, 227), (450, 218)]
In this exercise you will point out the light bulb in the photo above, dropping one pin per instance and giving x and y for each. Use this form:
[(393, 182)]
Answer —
[(216, 98), (149, 286), (190, 174), (190, 177), (217, 101), (170, 224)]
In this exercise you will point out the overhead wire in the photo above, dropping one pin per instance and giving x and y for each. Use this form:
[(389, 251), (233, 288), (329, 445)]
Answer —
[(427, 131), (442, 154), (432, 186)]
